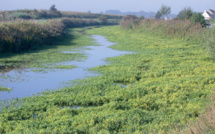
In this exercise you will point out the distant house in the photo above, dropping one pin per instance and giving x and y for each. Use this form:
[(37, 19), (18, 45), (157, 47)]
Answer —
[(208, 14)]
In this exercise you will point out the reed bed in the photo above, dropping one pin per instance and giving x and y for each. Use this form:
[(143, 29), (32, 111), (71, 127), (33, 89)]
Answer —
[(173, 28), (22, 35)]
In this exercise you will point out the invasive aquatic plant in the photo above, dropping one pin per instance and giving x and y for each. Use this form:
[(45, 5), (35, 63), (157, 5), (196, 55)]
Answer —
[(165, 84), (4, 89)]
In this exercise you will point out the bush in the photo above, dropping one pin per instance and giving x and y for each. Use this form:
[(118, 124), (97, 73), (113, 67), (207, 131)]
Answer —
[(198, 18), (184, 14)]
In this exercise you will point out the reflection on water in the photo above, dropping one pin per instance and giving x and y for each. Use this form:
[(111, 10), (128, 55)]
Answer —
[(28, 82)]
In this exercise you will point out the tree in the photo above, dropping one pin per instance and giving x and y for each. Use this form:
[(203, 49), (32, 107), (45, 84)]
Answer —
[(186, 13), (158, 15), (198, 18), (53, 9), (165, 10), (54, 12)]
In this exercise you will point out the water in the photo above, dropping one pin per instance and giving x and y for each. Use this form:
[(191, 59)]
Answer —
[(26, 82)]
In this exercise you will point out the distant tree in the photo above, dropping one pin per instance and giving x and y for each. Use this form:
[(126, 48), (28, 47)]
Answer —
[(186, 13), (158, 15), (53, 9), (103, 19), (198, 18), (54, 12), (165, 10)]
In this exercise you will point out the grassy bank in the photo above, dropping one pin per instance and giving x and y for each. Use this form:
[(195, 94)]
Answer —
[(164, 85)]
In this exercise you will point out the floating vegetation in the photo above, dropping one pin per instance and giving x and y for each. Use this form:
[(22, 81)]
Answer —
[(4, 89), (65, 66), (162, 86)]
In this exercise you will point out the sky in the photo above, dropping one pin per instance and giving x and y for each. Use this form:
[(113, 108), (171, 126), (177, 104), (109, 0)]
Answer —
[(96, 6)]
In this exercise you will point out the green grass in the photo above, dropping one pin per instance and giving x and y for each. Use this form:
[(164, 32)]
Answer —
[(164, 85)]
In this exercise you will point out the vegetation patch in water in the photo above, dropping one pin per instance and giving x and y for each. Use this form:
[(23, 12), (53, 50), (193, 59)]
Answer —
[(4, 89), (65, 66)]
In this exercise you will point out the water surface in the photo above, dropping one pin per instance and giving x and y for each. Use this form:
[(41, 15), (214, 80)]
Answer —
[(26, 82)]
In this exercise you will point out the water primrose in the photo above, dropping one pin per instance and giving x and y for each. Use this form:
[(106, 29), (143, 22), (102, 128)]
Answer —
[(4, 89), (166, 83)]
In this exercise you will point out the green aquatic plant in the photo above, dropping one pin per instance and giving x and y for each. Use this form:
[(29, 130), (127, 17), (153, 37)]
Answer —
[(163, 85), (4, 89), (65, 66)]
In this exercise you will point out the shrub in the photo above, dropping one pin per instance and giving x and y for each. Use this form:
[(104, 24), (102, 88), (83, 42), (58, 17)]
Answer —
[(198, 18)]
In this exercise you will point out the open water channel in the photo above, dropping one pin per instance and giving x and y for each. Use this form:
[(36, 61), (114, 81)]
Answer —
[(26, 82)]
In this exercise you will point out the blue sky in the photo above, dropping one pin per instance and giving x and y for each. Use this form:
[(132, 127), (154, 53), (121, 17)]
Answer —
[(102, 5)]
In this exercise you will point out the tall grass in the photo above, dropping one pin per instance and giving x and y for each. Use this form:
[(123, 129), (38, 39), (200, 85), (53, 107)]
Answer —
[(46, 14), (22, 35), (172, 28), (210, 41)]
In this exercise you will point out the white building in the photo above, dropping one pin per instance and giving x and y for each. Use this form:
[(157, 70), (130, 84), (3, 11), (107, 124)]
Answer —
[(208, 14)]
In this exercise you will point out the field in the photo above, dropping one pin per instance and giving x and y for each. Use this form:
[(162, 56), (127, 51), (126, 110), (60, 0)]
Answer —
[(165, 84)]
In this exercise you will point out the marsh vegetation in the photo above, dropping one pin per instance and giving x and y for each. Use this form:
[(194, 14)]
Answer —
[(163, 86)]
